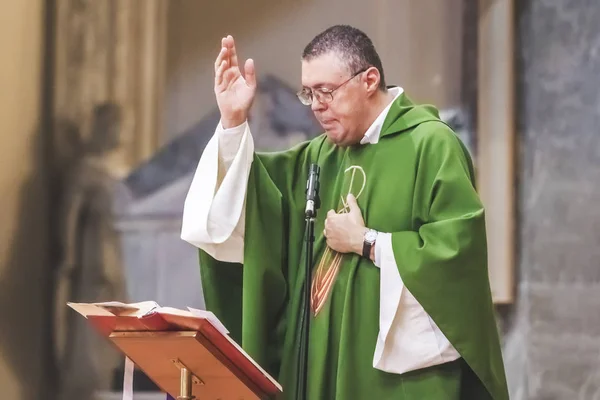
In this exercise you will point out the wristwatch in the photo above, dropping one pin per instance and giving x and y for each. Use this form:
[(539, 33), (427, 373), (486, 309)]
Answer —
[(368, 242)]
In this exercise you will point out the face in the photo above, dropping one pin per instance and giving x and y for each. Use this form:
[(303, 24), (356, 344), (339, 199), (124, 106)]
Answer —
[(343, 118)]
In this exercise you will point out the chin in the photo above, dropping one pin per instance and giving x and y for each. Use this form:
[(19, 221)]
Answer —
[(336, 135), (339, 139), (336, 139)]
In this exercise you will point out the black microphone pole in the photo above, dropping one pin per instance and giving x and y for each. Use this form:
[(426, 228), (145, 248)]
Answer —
[(312, 205)]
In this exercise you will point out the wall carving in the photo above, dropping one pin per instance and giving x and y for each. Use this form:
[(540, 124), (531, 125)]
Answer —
[(107, 97)]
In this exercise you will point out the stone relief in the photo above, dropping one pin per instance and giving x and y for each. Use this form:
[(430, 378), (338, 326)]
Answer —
[(90, 268)]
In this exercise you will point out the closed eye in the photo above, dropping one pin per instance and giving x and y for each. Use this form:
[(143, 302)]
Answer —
[(323, 90)]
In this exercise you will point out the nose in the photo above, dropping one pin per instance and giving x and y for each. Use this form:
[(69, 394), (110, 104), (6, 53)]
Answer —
[(316, 105)]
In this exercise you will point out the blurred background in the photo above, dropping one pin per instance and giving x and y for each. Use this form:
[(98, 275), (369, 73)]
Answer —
[(106, 105)]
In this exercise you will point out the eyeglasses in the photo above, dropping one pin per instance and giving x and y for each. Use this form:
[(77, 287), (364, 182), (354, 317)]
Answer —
[(323, 95)]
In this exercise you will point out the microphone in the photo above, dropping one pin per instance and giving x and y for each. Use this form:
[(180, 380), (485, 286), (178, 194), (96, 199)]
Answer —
[(312, 192), (312, 204)]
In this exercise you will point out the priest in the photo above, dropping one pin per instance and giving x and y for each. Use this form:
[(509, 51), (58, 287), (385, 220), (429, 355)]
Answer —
[(400, 299)]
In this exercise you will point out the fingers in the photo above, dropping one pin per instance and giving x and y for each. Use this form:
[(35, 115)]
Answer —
[(352, 202), (330, 214), (222, 56), (221, 65), (228, 53), (219, 74), (223, 61), (226, 65), (229, 43), (250, 73)]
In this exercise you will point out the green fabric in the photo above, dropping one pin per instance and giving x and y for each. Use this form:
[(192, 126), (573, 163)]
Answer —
[(420, 188)]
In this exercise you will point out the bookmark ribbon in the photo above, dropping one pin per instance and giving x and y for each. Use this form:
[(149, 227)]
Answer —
[(128, 379)]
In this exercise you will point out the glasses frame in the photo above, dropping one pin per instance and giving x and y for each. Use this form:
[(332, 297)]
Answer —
[(324, 95)]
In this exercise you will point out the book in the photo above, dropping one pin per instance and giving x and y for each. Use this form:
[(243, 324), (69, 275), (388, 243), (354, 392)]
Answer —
[(148, 316), (146, 312)]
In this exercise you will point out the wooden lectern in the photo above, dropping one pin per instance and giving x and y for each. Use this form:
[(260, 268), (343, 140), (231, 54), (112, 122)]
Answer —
[(187, 356)]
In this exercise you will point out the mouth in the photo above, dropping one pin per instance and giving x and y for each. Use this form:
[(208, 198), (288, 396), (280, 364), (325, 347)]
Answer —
[(327, 122)]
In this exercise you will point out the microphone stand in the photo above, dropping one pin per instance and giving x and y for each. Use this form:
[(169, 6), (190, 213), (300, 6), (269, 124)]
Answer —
[(312, 205)]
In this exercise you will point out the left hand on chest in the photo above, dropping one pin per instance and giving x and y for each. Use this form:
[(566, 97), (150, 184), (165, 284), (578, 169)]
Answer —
[(345, 231)]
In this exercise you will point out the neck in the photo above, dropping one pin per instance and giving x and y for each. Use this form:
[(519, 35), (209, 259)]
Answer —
[(383, 100), (380, 102)]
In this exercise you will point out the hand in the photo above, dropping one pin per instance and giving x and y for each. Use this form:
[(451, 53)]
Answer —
[(345, 231), (234, 93)]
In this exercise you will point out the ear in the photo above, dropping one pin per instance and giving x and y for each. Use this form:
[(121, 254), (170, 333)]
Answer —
[(372, 79)]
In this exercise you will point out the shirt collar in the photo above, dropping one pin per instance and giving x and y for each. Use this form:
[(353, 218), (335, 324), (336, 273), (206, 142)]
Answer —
[(372, 134)]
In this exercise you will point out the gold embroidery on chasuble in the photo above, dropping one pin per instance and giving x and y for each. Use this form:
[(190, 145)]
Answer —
[(328, 266)]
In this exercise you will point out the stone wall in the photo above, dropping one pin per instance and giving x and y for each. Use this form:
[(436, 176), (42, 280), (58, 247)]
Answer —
[(24, 203), (552, 336)]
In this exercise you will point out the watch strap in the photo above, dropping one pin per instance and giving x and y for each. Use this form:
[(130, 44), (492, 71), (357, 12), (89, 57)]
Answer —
[(368, 242), (367, 249)]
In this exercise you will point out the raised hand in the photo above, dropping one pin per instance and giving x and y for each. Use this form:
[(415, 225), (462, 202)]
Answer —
[(234, 92)]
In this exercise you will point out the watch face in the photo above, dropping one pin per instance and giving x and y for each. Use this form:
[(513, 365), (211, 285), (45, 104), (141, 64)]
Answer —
[(370, 236)]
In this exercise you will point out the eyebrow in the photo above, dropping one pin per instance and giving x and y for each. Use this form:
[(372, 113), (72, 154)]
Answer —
[(327, 85), (319, 85)]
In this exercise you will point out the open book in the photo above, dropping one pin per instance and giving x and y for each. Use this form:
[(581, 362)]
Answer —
[(148, 316)]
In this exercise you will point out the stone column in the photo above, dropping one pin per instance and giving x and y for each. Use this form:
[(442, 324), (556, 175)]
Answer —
[(553, 336), (495, 140)]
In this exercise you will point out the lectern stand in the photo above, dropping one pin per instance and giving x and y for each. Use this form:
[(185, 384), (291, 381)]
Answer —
[(187, 366), (188, 356), (186, 391)]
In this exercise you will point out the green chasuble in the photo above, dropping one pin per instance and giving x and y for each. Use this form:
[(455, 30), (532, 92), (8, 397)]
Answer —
[(416, 183)]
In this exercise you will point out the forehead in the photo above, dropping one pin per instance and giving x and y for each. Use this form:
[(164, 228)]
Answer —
[(327, 69)]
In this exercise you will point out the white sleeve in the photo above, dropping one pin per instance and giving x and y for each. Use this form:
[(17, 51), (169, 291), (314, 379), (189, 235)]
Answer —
[(408, 338), (390, 292), (214, 208)]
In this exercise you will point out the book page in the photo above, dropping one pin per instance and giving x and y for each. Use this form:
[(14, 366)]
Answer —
[(87, 309), (131, 309), (114, 308), (173, 311)]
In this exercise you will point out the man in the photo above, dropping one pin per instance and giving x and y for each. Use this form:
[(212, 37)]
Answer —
[(401, 303)]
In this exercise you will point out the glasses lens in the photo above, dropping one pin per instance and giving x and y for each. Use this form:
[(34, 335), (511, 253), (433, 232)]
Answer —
[(324, 97), (305, 97)]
